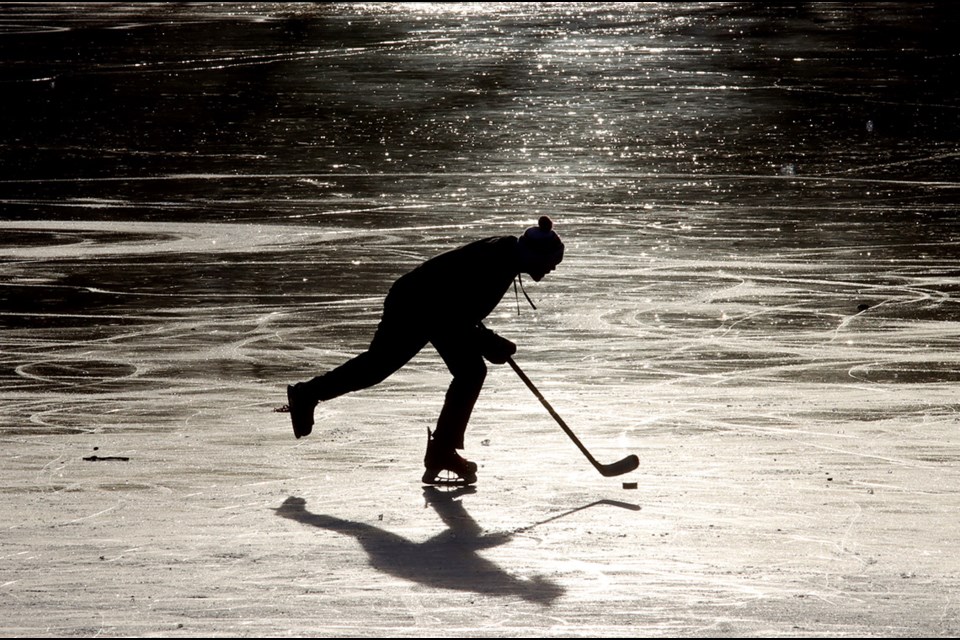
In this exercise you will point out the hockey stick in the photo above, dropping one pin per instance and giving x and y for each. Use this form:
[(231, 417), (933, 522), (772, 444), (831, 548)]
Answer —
[(617, 468)]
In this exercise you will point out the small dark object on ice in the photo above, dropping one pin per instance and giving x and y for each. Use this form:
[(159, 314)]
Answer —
[(282, 409), (629, 485), (863, 306), (107, 458)]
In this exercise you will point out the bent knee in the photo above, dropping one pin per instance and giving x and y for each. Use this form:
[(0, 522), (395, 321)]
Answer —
[(473, 370)]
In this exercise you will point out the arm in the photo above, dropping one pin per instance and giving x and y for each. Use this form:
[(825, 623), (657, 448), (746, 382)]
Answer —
[(495, 348)]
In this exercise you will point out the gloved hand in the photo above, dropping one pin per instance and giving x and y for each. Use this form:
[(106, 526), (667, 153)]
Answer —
[(495, 348)]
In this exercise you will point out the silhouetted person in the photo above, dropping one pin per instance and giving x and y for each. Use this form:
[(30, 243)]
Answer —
[(443, 302)]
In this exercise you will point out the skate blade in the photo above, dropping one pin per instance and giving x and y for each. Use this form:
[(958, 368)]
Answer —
[(446, 478)]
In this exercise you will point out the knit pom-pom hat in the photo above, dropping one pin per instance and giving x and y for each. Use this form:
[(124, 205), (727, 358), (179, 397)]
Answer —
[(542, 242)]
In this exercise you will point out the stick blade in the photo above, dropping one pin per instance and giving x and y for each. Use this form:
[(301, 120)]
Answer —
[(620, 467)]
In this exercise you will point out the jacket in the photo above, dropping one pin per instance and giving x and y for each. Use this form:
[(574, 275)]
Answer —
[(460, 287)]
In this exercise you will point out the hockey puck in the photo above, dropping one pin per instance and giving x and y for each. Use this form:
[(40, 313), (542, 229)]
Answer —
[(629, 485)]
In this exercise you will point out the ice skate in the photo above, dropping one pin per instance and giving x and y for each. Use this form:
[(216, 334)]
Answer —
[(444, 466), (300, 404)]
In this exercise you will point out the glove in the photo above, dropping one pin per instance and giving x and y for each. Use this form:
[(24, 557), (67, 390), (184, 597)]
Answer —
[(495, 348)]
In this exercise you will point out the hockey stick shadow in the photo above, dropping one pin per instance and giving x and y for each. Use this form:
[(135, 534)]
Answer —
[(448, 560), (612, 503)]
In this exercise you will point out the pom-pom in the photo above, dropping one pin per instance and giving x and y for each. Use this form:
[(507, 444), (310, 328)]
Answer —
[(545, 224)]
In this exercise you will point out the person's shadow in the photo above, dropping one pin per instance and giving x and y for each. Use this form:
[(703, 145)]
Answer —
[(448, 560)]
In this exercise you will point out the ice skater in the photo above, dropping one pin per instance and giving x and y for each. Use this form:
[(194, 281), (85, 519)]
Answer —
[(442, 302)]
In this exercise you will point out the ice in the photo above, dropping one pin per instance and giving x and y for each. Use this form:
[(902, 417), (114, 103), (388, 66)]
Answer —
[(758, 298)]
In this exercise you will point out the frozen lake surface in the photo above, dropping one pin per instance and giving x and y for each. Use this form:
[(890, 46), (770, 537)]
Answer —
[(203, 203)]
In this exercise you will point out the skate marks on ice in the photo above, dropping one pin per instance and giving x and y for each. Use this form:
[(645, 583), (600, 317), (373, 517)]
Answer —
[(448, 560), (91, 239), (111, 325)]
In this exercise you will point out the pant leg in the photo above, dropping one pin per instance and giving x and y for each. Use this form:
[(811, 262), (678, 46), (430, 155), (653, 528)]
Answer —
[(461, 353), (397, 340)]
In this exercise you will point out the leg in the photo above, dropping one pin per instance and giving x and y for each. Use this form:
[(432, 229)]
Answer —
[(394, 344), (462, 356), (383, 358)]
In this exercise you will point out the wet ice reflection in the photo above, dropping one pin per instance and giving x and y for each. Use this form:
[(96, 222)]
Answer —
[(203, 203)]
